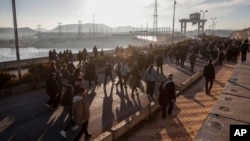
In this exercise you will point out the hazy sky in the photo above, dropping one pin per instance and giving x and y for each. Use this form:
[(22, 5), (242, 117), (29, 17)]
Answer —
[(230, 14)]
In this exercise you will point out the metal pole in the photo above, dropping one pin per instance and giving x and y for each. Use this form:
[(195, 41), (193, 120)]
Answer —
[(173, 24), (16, 39), (213, 25), (93, 25)]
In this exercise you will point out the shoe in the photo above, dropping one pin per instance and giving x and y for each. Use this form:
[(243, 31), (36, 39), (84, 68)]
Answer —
[(75, 127), (63, 134), (87, 136)]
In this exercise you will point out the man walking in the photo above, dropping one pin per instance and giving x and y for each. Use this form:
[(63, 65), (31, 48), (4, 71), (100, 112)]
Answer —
[(209, 74), (159, 63), (244, 50), (167, 95)]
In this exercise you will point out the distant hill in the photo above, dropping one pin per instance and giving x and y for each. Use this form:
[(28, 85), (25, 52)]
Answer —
[(8, 32), (242, 34)]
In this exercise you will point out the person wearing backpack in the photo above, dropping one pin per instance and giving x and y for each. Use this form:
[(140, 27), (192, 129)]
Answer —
[(167, 96)]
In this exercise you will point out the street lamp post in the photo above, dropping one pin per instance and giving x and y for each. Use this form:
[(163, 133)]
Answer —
[(213, 23), (203, 12), (173, 24), (16, 39)]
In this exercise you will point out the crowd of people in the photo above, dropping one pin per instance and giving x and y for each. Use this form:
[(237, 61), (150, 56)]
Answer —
[(65, 83)]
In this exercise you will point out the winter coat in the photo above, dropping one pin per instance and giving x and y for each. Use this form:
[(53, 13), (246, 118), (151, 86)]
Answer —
[(80, 109), (209, 71), (166, 92), (52, 87), (90, 72)]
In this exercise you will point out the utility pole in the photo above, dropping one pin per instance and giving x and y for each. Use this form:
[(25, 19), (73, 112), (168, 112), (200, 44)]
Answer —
[(173, 24), (155, 24), (16, 39), (213, 24), (93, 26), (39, 32)]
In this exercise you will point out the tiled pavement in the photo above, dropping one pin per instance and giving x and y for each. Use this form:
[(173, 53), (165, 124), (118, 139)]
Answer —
[(190, 111)]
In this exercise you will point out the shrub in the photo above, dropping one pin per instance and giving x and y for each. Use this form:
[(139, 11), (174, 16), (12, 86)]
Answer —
[(100, 61), (5, 77), (37, 73)]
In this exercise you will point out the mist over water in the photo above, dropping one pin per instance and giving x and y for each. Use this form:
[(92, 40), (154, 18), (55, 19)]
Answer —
[(9, 53)]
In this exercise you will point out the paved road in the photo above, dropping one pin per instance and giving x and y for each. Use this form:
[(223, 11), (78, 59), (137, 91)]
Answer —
[(190, 111), (24, 117)]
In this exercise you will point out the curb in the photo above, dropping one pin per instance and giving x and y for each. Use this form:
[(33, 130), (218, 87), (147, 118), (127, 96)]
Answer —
[(21, 88)]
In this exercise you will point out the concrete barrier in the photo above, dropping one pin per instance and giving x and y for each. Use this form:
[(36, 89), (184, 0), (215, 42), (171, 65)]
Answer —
[(106, 136), (21, 88), (23, 63), (119, 129), (152, 107)]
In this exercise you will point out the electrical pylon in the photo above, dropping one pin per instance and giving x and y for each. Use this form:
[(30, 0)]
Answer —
[(39, 36), (60, 35), (80, 35)]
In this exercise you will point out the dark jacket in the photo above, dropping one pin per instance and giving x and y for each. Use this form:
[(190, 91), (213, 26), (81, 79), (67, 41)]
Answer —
[(167, 92), (192, 58), (159, 60), (66, 100), (52, 86), (90, 73), (244, 48), (209, 71)]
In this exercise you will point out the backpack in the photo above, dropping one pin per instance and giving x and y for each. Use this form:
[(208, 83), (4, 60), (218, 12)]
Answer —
[(117, 68)]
